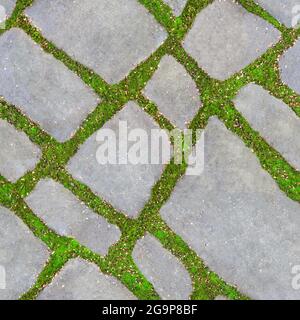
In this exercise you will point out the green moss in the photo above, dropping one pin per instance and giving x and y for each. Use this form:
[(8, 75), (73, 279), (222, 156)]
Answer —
[(216, 97)]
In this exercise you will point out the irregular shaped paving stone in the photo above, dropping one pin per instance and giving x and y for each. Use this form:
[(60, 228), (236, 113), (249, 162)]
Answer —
[(237, 220), (176, 5), (109, 36), (174, 91), (274, 120), (6, 8), (64, 213), (282, 10), (125, 186), (168, 276), (22, 256), (226, 38), (290, 65), (18, 154), (41, 86), (82, 280), (221, 298)]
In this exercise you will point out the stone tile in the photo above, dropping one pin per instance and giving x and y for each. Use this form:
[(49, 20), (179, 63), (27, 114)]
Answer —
[(168, 276), (289, 67), (6, 8), (273, 119), (18, 154), (65, 214), (82, 280), (174, 91), (109, 36), (225, 38), (281, 10), (237, 220), (22, 256), (176, 5), (221, 298), (42, 87), (125, 186)]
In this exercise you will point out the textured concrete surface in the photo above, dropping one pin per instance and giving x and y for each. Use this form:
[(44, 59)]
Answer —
[(226, 38), (289, 67), (273, 119), (176, 5), (64, 213), (82, 280), (168, 276), (284, 10), (236, 218), (42, 87), (109, 36), (174, 91), (18, 154), (22, 256), (125, 186)]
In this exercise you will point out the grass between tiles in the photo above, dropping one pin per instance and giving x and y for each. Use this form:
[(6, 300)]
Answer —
[(216, 98)]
